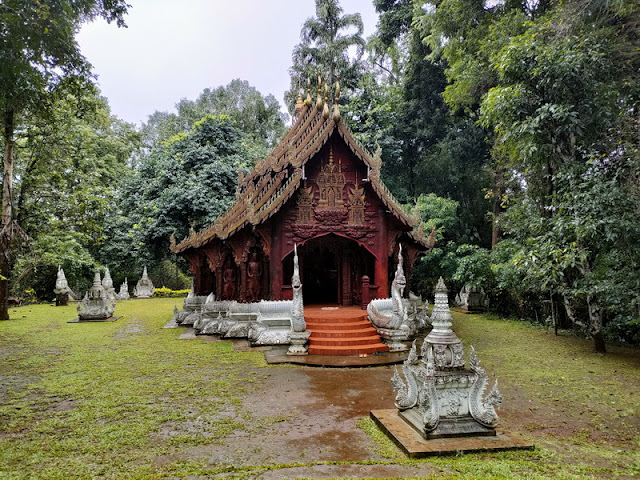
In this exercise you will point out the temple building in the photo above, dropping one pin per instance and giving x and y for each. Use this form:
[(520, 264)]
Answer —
[(319, 189)]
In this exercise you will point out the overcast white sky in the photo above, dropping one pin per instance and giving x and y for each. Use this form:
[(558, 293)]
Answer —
[(175, 49)]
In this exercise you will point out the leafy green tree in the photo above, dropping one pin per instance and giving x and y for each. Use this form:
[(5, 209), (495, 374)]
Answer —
[(329, 49), (69, 163), (258, 116), (38, 54), (185, 183)]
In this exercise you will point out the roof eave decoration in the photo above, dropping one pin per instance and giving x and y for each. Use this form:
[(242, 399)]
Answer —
[(274, 180)]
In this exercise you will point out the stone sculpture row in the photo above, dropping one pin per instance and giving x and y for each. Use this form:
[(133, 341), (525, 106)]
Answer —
[(281, 322), (99, 301), (278, 322)]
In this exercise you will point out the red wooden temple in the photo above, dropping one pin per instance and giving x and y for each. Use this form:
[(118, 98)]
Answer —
[(319, 189)]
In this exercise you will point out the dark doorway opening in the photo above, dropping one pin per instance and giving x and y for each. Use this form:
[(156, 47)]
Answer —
[(331, 270), (320, 274)]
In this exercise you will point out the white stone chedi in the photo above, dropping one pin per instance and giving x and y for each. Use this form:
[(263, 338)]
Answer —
[(439, 396), (144, 288), (61, 289), (107, 284), (96, 304), (123, 294)]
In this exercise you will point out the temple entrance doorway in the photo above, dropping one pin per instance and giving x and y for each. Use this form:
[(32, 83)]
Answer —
[(332, 268), (319, 274)]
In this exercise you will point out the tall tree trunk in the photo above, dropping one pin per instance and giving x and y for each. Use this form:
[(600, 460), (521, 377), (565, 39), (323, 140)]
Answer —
[(7, 179), (595, 324), (5, 219)]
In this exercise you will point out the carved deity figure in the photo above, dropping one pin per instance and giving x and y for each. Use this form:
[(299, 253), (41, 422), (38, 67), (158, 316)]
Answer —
[(229, 282), (254, 274), (331, 182)]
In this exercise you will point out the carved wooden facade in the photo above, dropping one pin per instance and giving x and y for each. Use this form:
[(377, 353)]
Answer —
[(318, 189)]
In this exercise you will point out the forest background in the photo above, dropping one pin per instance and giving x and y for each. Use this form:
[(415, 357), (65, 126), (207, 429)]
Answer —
[(509, 127)]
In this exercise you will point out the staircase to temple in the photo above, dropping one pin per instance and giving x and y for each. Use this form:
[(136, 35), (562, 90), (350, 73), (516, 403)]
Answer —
[(341, 331)]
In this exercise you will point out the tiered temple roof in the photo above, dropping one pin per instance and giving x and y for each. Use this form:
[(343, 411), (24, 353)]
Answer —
[(274, 180)]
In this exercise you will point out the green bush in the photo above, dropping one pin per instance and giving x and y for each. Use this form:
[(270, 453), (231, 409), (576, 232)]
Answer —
[(167, 292)]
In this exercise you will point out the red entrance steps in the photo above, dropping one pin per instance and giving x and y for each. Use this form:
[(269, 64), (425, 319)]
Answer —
[(341, 331)]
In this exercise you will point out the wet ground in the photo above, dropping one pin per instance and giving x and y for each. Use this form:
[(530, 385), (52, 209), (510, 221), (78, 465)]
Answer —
[(311, 415)]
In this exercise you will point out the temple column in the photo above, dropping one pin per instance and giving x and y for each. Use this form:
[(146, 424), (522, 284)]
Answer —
[(243, 281), (347, 298), (265, 279), (275, 264), (219, 282), (381, 267)]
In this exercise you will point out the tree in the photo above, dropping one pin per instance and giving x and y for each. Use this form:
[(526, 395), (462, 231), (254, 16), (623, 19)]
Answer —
[(184, 184), (258, 116), (69, 165), (38, 54), (327, 50)]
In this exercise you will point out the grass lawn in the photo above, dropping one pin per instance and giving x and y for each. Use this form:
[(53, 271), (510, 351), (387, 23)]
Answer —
[(127, 399)]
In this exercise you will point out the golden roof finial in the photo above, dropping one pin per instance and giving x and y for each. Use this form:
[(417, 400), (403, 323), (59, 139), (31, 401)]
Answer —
[(325, 111), (319, 100), (330, 154), (308, 100), (299, 103)]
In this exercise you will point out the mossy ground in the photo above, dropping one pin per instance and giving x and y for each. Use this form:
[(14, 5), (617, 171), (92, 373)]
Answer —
[(127, 399)]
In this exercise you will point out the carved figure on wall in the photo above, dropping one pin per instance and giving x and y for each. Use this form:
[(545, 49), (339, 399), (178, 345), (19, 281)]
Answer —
[(331, 182), (356, 206), (305, 206), (254, 275), (229, 281)]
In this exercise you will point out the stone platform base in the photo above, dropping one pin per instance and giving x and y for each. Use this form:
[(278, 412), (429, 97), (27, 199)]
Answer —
[(415, 446), (110, 319), (278, 355)]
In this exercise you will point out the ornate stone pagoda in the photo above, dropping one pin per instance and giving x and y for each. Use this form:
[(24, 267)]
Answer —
[(123, 294), (107, 284), (144, 288), (96, 304), (318, 189), (61, 289), (439, 396)]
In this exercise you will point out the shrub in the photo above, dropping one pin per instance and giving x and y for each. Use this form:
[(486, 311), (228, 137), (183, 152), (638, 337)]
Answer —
[(167, 292)]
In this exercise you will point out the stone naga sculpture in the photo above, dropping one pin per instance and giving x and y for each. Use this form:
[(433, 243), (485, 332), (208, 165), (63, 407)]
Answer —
[(298, 336), (397, 318), (297, 310)]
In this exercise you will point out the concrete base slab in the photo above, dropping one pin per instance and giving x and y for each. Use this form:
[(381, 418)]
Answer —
[(189, 334), (415, 446), (171, 324), (110, 319), (279, 355)]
